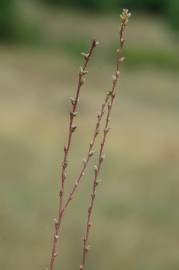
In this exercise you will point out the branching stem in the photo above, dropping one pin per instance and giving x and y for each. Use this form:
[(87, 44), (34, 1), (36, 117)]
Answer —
[(71, 129), (119, 59)]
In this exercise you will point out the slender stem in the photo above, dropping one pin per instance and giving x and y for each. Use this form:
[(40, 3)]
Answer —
[(71, 129), (90, 152), (124, 19)]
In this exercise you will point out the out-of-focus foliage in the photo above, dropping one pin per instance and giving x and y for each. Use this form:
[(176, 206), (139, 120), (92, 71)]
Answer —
[(99, 5), (148, 5), (12, 28), (152, 5), (7, 10), (173, 13), (16, 26), (168, 8)]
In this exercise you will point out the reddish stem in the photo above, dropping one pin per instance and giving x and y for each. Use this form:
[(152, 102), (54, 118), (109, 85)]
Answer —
[(73, 113), (124, 19), (90, 153)]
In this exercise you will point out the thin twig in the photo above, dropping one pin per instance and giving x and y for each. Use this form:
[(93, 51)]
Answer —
[(124, 20), (72, 128), (90, 152)]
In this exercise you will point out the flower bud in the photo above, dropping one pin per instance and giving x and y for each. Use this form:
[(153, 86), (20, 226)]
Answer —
[(73, 128), (95, 168), (84, 161), (98, 181), (56, 237), (91, 153), (85, 55), (117, 73), (114, 78), (106, 130), (122, 59), (55, 221), (97, 131), (122, 40), (82, 81), (82, 71), (87, 248), (60, 193), (102, 158), (72, 100), (65, 164), (73, 114), (89, 224), (95, 43), (76, 184)]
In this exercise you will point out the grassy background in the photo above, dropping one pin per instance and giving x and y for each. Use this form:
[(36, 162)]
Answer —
[(136, 220)]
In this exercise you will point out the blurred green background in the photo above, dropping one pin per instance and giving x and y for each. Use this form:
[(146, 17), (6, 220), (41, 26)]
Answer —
[(136, 220)]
